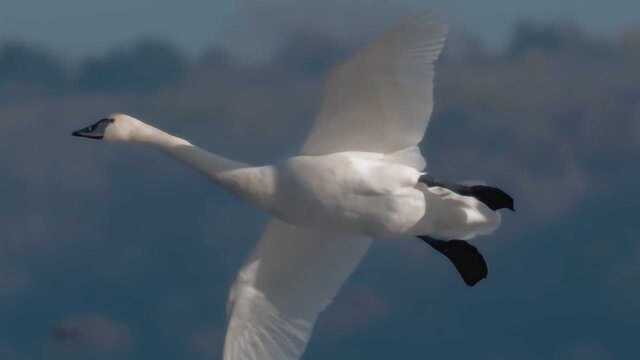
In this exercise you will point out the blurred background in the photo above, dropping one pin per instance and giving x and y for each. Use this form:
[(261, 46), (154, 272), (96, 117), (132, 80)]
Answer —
[(115, 252)]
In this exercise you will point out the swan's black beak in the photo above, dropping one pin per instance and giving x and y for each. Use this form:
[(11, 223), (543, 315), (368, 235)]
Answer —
[(95, 131)]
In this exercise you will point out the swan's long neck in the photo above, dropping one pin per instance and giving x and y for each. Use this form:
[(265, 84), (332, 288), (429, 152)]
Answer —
[(255, 184)]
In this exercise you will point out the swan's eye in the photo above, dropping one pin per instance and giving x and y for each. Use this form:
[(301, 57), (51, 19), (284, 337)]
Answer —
[(112, 120)]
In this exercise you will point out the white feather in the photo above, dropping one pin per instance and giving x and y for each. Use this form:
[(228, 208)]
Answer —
[(293, 274), (381, 99)]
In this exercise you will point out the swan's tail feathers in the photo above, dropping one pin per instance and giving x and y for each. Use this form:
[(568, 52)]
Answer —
[(449, 215), (493, 197), (464, 256)]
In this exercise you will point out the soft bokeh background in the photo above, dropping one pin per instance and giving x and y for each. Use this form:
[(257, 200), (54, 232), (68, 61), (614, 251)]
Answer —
[(115, 252)]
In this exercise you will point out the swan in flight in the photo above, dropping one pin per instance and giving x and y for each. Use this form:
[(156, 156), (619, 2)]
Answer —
[(359, 176)]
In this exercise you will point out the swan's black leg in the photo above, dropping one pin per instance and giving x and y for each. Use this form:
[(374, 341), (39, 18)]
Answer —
[(493, 197), (464, 256)]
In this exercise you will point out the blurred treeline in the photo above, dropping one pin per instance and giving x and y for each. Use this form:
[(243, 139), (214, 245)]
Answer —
[(147, 65), (28, 70)]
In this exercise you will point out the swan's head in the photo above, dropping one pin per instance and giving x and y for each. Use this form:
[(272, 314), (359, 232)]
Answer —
[(115, 127)]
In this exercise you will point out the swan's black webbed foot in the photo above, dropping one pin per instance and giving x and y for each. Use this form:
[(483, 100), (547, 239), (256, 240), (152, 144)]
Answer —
[(464, 256), (491, 196)]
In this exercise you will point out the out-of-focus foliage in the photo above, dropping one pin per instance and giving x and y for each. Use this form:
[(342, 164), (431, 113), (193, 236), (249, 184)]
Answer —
[(26, 69), (555, 38), (144, 66)]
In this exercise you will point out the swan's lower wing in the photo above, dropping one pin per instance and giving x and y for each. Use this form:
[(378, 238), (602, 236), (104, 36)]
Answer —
[(292, 276), (381, 99)]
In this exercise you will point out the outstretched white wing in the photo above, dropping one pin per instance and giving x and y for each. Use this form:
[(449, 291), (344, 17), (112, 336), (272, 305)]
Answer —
[(381, 99), (378, 101), (292, 276)]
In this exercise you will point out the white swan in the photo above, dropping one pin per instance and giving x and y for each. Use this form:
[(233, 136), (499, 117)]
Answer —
[(359, 177)]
